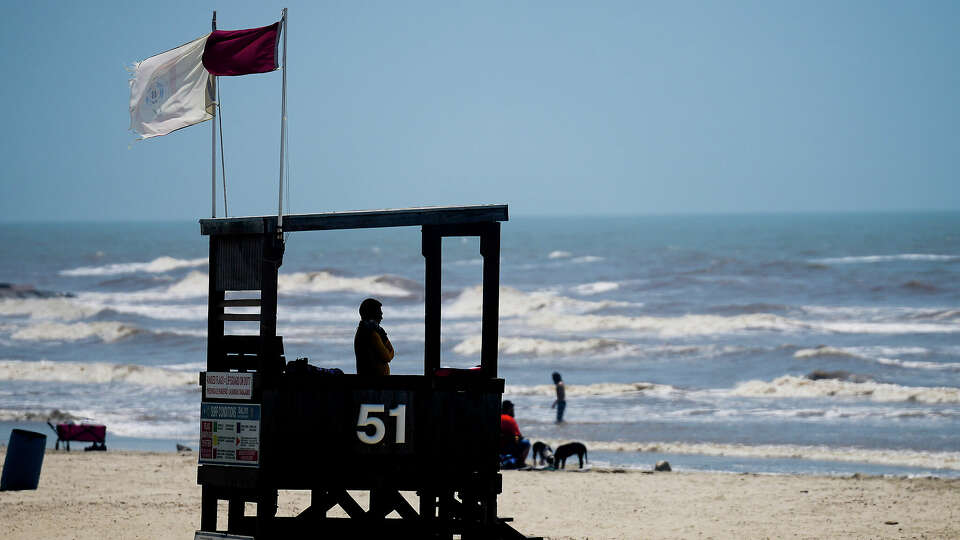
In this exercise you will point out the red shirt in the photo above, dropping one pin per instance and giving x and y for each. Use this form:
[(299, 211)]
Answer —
[(509, 431)]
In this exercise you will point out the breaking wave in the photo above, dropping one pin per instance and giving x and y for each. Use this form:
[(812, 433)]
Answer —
[(924, 257), (686, 325), (514, 303), (94, 373), (196, 285), (108, 332), (20, 415), (790, 386), (879, 355), (596, 287), (193, 285), (157, 266), (559, 254), (697, 325), (544, 347), (383, 285), (596, 389), (67, 309)]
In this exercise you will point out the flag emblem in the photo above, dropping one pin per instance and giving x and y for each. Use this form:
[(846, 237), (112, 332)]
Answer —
[(156, 93)]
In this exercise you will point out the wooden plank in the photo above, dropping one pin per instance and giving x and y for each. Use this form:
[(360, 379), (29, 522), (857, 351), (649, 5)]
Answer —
[(235, 508), (248, 317), (249, 345), (432, 274), (490, 251), (241, 302), (360, 219), (214, 309), (349, 505), (238, 262), (272, 259)]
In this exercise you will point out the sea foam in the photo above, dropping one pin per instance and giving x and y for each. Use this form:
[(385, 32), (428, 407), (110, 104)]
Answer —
[(790, 386), (596, 389), (516, 303), (382, 285), (67, 309), (686, 325), (544, 347), (867, 259), (596, 287), (94, 373), (157, 266), (105, 331), (880, 355)]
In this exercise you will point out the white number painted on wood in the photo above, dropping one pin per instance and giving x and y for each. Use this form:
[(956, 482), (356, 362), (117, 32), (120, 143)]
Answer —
[(400, 413), (379, 428)]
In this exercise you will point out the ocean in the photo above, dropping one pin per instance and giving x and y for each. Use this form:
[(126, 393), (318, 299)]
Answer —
[(802, 343)]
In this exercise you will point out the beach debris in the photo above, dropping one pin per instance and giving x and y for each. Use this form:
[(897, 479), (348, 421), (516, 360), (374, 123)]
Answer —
[(662, 466), (839, 375), (182, 448), (891, 522), (10, 290)]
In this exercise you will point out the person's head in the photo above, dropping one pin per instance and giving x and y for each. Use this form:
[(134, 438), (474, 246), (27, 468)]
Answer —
[(556, 377), (507, 407), (370, 309)]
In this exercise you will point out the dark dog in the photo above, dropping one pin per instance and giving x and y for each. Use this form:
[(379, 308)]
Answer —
[(566, 450), (544, 452)]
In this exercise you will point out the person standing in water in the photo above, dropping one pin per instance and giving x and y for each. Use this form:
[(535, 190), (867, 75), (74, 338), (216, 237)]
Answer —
[(561, 402), (370, 344)]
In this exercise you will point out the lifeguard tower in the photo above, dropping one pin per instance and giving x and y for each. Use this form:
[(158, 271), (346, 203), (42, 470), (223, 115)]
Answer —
[(269, 426)]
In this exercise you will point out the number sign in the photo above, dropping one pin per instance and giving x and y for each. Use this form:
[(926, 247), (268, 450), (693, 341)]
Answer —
[(383, 421)]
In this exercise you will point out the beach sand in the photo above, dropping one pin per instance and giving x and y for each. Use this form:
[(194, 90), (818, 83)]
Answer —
[(155, 495)]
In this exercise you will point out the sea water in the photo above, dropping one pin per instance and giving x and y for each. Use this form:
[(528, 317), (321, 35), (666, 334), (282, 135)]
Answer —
[(808, 343)]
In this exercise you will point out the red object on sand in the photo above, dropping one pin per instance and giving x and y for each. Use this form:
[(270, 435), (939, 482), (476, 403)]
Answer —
[(82, 432)]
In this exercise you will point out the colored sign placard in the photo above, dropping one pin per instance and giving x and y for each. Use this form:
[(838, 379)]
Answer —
[(226, 385), (230, 434)]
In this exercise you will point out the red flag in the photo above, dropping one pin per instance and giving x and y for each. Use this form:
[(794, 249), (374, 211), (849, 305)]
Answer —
[(241, 52)]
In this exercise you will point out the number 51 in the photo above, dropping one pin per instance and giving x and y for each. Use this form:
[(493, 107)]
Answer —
[(379, 429)]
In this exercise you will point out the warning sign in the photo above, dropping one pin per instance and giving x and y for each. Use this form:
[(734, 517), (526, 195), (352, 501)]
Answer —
[(230, 434), (228, 385)]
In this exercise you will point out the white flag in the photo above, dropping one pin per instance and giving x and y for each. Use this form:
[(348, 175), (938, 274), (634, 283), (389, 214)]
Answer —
[(170, 91)]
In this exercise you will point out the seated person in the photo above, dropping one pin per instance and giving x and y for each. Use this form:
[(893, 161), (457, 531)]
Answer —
[(513, 447), (370, 344)]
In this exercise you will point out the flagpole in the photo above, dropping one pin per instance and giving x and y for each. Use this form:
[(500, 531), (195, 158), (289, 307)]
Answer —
[(283, 121), (213, 137)]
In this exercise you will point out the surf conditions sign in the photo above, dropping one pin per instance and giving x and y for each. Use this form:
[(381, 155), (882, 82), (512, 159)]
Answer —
[(230, 434)]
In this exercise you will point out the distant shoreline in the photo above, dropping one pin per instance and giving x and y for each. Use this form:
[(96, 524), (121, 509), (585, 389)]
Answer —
[(517, 212)]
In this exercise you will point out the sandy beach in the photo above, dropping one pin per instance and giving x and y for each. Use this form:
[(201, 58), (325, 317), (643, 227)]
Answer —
[(155, 495)]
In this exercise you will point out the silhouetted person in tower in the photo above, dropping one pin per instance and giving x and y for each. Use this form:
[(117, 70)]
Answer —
[(371, 345)]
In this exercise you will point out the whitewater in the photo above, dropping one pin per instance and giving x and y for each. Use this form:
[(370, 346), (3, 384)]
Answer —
[(820, 343)]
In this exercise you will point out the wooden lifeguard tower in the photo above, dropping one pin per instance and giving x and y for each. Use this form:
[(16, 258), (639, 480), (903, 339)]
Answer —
[(267, 427)]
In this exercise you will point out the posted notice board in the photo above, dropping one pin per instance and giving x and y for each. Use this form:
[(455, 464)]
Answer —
[(230, 434)]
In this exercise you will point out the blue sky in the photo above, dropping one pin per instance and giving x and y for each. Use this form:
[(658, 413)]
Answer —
[(551, 107)]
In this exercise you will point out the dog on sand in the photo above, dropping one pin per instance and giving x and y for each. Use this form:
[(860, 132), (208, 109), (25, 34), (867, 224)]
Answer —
[(542, 453), (566, 450)]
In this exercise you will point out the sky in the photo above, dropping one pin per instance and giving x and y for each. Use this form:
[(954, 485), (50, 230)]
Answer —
[(554, 108)]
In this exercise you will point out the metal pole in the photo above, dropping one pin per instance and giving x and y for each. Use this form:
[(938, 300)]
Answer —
[(283, 120), (213, 138)]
